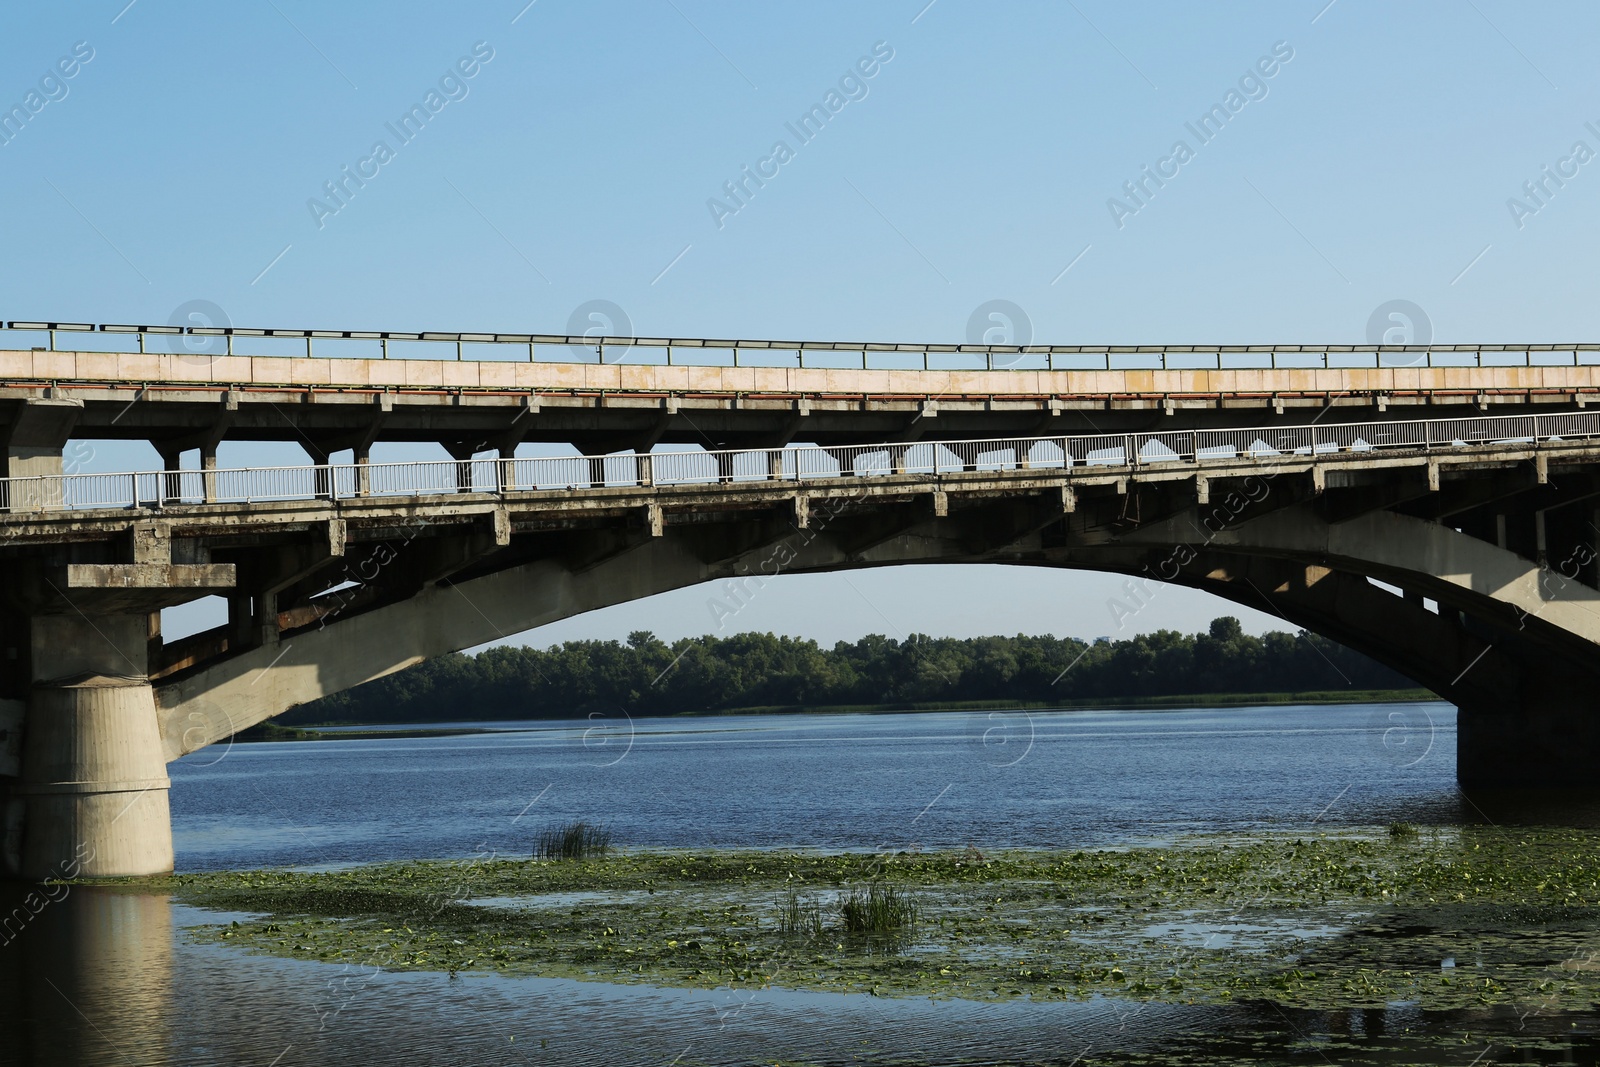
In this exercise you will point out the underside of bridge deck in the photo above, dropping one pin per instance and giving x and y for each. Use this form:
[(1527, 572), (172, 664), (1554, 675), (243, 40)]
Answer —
[(1474, 573)]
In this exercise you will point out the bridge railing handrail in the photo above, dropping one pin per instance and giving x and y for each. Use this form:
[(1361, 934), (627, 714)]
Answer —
[(801, 463), (208, 342)]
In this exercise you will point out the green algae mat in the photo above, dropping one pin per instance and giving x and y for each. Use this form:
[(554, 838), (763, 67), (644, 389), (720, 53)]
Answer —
[(1443, 919)]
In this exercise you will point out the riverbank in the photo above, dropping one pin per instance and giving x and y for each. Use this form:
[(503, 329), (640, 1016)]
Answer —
[(271, 731), (1181, 701), (1444, 919), (318, 731)]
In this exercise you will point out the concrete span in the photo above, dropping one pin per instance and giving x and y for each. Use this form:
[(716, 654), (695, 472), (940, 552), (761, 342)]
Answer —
[(183, 402)]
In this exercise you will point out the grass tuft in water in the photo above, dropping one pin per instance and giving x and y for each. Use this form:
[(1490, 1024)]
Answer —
[(574, 841), (799, 916), (878, 909), (1399, 830)]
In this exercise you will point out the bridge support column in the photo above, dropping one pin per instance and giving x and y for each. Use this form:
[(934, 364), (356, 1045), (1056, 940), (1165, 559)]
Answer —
[(1550, 738), (91, 798)]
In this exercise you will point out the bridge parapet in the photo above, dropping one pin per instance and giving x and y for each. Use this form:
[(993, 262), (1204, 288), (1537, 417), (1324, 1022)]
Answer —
[(498, 390)]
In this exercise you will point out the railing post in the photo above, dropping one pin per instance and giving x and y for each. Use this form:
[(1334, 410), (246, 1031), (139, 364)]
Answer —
[(208, 474), (646, 471)]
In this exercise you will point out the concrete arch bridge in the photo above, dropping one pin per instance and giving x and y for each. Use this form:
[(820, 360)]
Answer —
[(1459, 551)]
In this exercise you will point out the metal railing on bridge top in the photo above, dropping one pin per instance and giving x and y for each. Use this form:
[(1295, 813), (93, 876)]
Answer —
[(208, 342), (798, 464)]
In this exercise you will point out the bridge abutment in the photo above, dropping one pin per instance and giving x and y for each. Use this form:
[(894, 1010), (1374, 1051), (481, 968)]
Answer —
[(91, 796)]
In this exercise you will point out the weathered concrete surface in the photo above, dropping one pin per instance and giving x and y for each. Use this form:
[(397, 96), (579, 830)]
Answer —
[(245, 371), (213, 704), (328, 405), (1429, 557)]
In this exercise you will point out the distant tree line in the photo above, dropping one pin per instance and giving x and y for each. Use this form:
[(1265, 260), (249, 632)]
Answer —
[(647, 676)]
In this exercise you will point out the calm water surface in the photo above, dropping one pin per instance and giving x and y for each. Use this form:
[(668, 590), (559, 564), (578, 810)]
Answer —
[(825, 781), (112, 978)]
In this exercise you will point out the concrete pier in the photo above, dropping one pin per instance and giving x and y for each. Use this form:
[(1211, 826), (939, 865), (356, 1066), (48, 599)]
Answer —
[(91, 798)]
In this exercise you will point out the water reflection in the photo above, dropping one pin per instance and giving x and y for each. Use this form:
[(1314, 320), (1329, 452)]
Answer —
[(86, 974), (1530, 807), (93, 978)]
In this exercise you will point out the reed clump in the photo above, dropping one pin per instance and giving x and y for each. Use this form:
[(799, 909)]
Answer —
[(572, 841), (799, 916), (878, 909)]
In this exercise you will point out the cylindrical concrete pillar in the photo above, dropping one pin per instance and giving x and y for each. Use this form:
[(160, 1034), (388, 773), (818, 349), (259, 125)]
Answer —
[(90, 797), (93, 789)]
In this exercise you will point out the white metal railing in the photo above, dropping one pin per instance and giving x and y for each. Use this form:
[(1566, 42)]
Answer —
[(795, 464), (207, 342)]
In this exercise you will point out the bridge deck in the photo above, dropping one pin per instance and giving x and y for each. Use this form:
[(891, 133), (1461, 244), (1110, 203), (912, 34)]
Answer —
[(182, 401), (62, 506)]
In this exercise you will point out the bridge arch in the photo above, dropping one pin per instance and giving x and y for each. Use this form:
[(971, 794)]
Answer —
[(327, 592), (1511, 641)]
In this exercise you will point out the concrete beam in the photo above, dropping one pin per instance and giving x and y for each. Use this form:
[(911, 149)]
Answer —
[(1464, 571), (215, 702)]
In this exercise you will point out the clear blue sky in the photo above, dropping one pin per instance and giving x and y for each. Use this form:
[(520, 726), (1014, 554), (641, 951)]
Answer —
[(975, 164)]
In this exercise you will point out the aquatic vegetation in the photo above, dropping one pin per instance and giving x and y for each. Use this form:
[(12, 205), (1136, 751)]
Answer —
[(1456, 919), (574, 841), (1399, 830), (799, 916), (878, 909)]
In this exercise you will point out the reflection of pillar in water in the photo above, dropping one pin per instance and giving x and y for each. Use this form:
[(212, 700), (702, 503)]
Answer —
[(85, 975)]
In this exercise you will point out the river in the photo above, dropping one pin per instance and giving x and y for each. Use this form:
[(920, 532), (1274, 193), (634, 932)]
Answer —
[(103, 977)]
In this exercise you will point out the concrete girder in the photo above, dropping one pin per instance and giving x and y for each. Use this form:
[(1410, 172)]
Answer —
[(217, 701), (1469, 573), (525, 594), (1543, 731), (1398, 632)]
